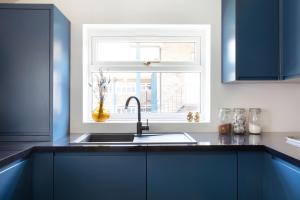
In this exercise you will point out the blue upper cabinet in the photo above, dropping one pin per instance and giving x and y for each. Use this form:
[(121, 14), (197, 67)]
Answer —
[(34, 72), (192, 175), (290, 32), (107, 176), (250, 40), (15, 181)]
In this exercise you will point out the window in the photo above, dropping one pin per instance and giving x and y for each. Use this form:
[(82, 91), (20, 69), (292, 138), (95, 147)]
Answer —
[(165, 66)]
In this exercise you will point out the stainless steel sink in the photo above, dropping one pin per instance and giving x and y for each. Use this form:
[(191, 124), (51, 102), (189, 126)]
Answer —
[(147, 138)]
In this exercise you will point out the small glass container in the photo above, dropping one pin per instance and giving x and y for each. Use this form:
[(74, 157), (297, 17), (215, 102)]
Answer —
[(239, 121), (197, 117), (255, 121), (225, 116)]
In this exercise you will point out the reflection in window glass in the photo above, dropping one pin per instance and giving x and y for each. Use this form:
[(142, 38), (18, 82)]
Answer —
[(144, 51), (158, 92)]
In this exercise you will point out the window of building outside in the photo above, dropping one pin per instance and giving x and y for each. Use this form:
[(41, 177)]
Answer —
[(166, 66)]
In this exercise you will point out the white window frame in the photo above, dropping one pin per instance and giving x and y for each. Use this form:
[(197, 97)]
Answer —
[(200, 33)]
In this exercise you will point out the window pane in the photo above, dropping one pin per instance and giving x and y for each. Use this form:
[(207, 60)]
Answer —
[(149, 53), (113, 51), (158, 92), (175, 51), (144, 51)]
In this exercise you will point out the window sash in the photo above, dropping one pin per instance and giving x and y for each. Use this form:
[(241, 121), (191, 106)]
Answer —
[(93, 40), (157, 116)]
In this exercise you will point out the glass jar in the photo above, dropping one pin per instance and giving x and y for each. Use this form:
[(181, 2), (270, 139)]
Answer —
[(255, 121), (239, 121), (225, 116)]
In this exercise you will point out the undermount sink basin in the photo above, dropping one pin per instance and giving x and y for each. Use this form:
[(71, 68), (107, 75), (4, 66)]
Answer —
[(147, 138), (107, 138)]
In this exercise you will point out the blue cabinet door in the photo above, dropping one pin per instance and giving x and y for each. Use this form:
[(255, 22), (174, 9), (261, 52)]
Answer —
[(192, 176), (24, 71), (290, 38), (257, 39), (34, 72), (250, 40), (107, 176), (15, 181), (42, 176), (250, 175), (285, 180)]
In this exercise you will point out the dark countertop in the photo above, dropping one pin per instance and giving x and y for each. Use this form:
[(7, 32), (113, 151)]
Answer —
[(274, 143)]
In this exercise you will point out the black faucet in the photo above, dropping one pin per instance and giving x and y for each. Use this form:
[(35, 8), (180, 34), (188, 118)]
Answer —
[(139, 126)]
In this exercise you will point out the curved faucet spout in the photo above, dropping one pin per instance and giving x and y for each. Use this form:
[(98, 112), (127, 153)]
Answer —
[(138, 105)]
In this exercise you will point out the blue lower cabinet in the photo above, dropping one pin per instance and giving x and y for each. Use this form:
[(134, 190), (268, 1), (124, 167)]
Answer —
[(192, 176), (268, 192), (42, 176), (250, 175), (107, 176), (15, 181), (285, 180)]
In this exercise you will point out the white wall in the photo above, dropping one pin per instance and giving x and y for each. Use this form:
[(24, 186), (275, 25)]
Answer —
[(280, 101)]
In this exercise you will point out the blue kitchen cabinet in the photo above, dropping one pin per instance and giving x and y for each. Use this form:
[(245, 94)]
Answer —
[(192, 175), (42, 176), (250, 40), (15, 181), (34, 72), (250, 175), (290, 29), (267, 187), (109, 176), (285, 182), (281, 179)]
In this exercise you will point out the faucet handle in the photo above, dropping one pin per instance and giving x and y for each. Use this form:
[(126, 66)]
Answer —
[(146, 128)]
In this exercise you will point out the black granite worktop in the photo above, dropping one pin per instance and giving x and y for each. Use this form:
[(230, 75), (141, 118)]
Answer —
[(271, 142)]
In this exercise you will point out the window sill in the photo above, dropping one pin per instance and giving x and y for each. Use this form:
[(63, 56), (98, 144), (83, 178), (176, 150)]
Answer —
[(144, 121), (155, 126)]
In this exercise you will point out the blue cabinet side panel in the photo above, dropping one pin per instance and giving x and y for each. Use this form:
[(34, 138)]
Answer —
[(100, 176), (228, 40), (24, 71), (192, 176), (42, 176), (61, 74), (257, 39), (250, 175), (290, 38), (15, 181)]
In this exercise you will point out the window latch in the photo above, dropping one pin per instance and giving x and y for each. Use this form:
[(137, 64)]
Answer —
[(147, 63)]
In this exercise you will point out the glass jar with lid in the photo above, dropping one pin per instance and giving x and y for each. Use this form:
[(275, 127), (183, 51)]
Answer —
[(225, 116), (239, 121), (255, 121)]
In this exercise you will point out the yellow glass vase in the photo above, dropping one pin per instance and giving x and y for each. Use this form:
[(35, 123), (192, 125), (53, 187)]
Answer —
[(100, 114)]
